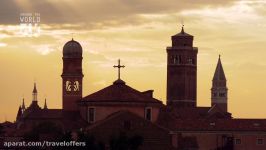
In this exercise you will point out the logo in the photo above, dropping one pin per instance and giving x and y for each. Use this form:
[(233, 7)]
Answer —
[(30, 24)]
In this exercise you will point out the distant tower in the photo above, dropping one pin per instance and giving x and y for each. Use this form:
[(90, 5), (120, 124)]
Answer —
[(34, 103), (182, 71), (72, 75), (219, 89)]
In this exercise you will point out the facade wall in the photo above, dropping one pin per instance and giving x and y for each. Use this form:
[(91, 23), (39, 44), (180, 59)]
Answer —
[(212, 140), (101, 112), (249, 141)]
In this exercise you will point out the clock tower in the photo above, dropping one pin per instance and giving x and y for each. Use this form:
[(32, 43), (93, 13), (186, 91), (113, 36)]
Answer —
[(182, 71), (72, 75)]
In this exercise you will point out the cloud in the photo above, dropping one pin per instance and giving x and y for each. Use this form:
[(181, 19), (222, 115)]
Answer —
[(44, 49), (3, 44), (96, 12), (236, 13)]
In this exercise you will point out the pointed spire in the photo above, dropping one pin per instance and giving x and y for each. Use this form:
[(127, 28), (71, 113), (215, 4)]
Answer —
[(219, 71), (19, 112), (182, 30), (34, 93), (45, 104), (23, 107), (34, 89)]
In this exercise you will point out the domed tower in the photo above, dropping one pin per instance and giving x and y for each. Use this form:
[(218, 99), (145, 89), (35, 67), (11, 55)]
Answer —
[(182, 71), (72, 75)]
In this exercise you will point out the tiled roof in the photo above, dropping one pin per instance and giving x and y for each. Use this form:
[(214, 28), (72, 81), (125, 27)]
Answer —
[(218, 125), (194, 112), (197, 112), (119, 92), (43, 114), (69, 119)]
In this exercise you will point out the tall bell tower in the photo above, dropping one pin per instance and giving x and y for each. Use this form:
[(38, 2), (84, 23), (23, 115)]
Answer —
[(182, 71), (219, 88), (72, 75)]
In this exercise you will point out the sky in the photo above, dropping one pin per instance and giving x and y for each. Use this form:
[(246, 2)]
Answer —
[(138, 33)]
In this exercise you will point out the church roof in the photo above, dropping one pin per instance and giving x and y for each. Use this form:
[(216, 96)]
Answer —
[(219, 71), (120, 92), (68, 119), (43, 114)]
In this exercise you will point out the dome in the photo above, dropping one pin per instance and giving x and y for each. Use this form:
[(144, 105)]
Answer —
[(72, 49)]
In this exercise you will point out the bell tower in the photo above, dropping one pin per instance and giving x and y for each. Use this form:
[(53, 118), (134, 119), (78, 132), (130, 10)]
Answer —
[(72, 75), (182, 71), (219, 88)]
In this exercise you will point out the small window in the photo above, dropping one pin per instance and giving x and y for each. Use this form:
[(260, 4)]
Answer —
[(214, 94), (260, 141), (190, 61), (148, 113), (237, 141), (91, 115), (177, 59), (212, 124), (222, 94), (193, 61)]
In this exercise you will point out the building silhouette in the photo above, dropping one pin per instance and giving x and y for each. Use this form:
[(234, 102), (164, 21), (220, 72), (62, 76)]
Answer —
[(119, 108)]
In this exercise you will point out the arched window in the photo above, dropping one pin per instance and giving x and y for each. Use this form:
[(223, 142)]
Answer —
[(91, 114), (148, 113)]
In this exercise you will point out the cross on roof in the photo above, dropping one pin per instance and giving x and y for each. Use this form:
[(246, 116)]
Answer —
[(118, 67)]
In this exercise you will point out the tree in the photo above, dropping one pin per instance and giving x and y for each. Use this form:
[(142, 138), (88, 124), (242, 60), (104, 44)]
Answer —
[(123, 142), (90, 141), (2, 132), (44, 130), (188, 143)]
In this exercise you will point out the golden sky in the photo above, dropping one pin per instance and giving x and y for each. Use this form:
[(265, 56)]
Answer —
[(137, 33)]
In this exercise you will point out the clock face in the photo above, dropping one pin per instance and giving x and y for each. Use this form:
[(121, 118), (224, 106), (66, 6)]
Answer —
[(72, 86), (76, 86), (68, 86)]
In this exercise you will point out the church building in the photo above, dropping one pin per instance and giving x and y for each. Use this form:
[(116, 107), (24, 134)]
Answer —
[(178, 124)]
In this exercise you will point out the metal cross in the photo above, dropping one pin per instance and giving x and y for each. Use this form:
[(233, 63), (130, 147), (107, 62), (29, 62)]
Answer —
[(119, 66)]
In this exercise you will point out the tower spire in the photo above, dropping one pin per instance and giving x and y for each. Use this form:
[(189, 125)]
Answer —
[(34, 93), (219, 88), (182, 30), (219, 71), (45, 104), (19, 113), (23, 107)]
